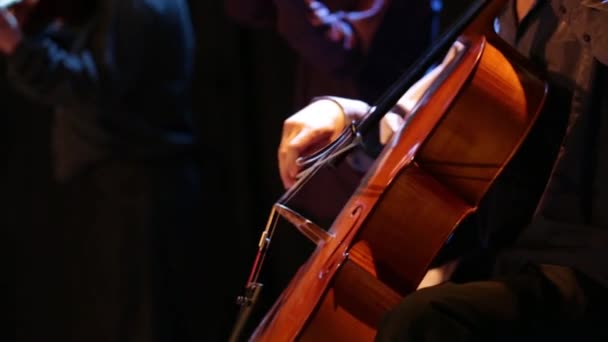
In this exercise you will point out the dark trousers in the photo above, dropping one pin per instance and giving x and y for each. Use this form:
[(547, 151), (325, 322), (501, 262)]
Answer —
[(130, 253), (547, 303)]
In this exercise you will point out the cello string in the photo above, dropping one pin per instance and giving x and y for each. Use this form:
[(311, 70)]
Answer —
[(306, 175)]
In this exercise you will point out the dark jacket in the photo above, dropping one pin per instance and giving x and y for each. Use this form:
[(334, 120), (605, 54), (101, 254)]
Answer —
[(120, 85), (570, 224)]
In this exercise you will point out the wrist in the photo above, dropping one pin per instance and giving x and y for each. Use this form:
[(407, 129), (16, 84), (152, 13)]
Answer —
[(346, 120), (351, 110)]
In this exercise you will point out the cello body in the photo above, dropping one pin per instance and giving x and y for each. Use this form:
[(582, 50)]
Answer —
[(430, 176)]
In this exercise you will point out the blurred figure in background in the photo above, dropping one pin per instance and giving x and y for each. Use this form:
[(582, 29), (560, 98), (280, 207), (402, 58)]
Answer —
[(117, 74), (345, 48)]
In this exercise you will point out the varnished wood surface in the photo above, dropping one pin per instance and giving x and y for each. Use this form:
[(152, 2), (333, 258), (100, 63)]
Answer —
[(430, 176)]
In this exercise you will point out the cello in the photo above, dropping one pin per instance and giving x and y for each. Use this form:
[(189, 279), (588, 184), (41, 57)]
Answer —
[(373, 246)]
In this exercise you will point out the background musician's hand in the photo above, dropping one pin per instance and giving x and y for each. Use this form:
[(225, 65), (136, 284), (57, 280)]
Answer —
[(392, 122), (389, 124), (10, 32), (313, 127)]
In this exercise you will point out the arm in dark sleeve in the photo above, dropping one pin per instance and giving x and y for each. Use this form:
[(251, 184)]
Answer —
[(254, 13), (152, 45), (42, 68), (108, 62), (588, 19)]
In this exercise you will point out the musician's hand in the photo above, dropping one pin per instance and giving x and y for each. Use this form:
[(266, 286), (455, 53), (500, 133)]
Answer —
[(313, 127), (10, 32), (392, 122)]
